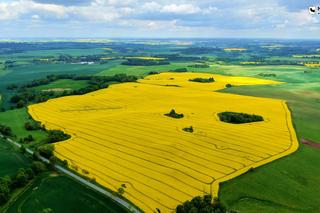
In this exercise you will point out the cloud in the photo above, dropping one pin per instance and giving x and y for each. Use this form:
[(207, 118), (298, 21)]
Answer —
[(183, 17), (182, 9), (64, 2)]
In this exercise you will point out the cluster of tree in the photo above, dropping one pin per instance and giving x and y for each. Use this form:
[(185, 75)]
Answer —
[(12, 87), (173, 114), (228, 85), (22, 177), (199, 66), (267, 74), (188, 129), (239, 118), (202, 80), (179, 70), (47, 80), (46, 150), (153, 73), (8, 64), (143, 62), (26, 139), (25, 95), (78, 59), (5, 130), (32, 125), (203, 204), (57, 135)]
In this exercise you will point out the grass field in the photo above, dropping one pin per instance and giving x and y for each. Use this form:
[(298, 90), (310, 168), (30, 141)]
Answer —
[(141, 70), (57, 52), (16, 119), (57, 193), (166, 166), (63, 84), (289, 184), (11, 159)]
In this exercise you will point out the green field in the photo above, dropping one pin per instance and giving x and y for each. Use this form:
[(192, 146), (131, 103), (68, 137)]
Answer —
[(58, 193), (289, 184), (56, 52), (16, 119), (11, 159), (141, 70), (63, 84)]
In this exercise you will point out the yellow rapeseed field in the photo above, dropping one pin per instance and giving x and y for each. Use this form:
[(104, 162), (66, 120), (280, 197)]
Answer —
[(146, 58), (122, 139), (312, 64), (234, 49)]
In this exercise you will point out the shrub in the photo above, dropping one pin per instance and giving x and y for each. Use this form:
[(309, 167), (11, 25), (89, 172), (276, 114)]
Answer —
[(238, 118), (188, 129), (228, 85), (173, 114)]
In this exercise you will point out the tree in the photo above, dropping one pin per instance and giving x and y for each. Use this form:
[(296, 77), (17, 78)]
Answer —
[(30, 173), (5, 130), (32, 126), (21, 104), (38, 167), (202, 80), (46, 150), (202, 205), (239, 118), (22, 149), (21, 178), (173, 114), (4, 190), (57, 135)]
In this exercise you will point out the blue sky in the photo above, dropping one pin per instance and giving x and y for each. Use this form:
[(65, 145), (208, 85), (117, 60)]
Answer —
[(159, 18)]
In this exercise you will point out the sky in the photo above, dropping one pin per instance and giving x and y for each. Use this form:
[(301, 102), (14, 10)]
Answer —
[(159, 18)]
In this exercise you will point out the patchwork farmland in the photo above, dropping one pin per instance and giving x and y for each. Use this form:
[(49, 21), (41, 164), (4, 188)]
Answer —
[(122, 139)]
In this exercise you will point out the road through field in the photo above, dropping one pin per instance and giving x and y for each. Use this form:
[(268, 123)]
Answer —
[(99, 189)]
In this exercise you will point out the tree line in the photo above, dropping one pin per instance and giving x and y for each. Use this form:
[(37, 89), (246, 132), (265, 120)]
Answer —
[(25, 95), (24, 175)]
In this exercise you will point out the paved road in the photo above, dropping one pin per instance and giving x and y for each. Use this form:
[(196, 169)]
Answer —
[(117, 199)]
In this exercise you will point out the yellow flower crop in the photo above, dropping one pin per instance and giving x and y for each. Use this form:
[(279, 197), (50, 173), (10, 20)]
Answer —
[(146, 58), (235, 49), (120, 135)]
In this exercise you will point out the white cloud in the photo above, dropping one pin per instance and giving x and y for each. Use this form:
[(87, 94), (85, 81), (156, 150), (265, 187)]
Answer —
[(181, 8), (163, 15), (35, 17)]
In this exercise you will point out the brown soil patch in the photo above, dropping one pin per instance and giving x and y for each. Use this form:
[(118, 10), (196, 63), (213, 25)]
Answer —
[(310, 143)]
